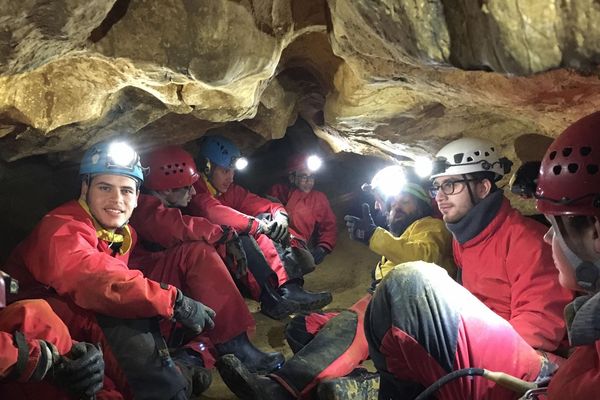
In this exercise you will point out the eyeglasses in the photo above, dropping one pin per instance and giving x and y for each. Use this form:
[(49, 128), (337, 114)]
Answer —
[(449, 187), (305, 178)]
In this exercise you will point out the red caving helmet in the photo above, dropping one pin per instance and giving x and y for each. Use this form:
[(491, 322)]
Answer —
[(171, 167), (569, 181)]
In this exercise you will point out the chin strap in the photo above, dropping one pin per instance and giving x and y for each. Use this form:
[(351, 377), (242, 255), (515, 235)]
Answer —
[(587, 273), (214, 192)]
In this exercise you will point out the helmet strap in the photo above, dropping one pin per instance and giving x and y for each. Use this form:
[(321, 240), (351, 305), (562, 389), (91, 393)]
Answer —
[(207, 167), (587, 273), (471, 195)]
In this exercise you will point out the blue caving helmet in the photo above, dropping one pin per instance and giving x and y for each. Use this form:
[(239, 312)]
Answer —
[(219, 151), (112, 158)]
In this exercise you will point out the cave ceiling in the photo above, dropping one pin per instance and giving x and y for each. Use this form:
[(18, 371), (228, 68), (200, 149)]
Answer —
[(387, 78)]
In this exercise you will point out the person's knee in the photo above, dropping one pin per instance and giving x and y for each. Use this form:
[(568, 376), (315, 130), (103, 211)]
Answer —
[(414, 278)]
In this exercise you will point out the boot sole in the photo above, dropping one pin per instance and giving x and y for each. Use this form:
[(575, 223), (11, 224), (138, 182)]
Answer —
[(349, 388), (236, 377)]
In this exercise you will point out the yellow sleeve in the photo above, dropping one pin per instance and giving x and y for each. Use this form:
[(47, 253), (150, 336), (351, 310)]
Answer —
[(427, 239)]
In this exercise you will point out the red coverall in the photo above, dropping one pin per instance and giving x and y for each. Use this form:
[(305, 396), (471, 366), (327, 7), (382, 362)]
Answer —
[(64, 262), (36, 320), (578, 378), (189, 261), (510, 305), (237, 208), (309, 213)]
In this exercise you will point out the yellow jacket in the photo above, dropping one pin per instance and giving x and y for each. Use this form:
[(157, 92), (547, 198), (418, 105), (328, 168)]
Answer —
[(426, 239)]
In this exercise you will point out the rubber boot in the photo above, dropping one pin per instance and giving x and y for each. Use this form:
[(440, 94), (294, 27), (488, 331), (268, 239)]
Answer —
[(249, 386), (192, 369), (255, 360), (274, 306), (308, 301), (360, 384)]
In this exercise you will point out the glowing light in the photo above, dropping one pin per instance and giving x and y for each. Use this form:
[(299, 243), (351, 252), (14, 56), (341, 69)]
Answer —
[(241, 163), (314, 163), (423, 166), (389, 181), (122, 155)]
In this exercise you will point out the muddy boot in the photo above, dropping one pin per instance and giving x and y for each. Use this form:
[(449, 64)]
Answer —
[(249, 386), (274, 306), (308, 301), (192, 368), (360, 384), (255, 360)]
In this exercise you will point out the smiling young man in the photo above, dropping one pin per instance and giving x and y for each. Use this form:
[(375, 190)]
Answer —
[(276, 261), (506, 316), (180, 250), (76, 259)]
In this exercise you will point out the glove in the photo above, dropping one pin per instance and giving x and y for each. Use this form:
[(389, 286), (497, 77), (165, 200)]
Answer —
[(361, 229), (192, 314), (81, 372), (278, 228), (263, 226), (319, 253), (235, 256)]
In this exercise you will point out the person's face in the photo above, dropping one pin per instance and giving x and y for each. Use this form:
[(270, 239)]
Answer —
[(403, 209), (304, 180), (180, 197), (111, 199), (453, 198), (584, 243), (221, 178)]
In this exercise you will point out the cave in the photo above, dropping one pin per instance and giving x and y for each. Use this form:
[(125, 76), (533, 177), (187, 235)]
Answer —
[(364, 84)]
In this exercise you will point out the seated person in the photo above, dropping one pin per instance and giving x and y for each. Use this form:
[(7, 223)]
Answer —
[(309, 211), (76, 260), (331, 345), (180, 250), (506, 316), (567, 194), (276, 264)]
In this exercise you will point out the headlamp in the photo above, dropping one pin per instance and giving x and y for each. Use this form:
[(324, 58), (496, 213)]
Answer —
[(314, 163), (121, 155), (423, 166), (389, 181), (241, 163)]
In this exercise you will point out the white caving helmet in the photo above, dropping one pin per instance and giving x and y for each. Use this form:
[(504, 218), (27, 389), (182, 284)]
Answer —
[(469, 155)]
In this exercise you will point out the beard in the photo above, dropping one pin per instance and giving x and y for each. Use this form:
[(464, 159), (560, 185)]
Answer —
[(398, 226)]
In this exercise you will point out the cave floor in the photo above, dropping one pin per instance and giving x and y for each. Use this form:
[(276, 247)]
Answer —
[(346, 272)]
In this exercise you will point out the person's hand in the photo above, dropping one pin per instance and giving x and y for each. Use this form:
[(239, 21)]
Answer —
[(361, 229), (235, 256), (263, 226), (319, 253), (81, 371), (192, 314), (278, 228)]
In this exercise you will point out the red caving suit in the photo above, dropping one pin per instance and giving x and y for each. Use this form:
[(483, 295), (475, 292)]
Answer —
[(237, 208), (309, 213), (65, 262), (179, 250)]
